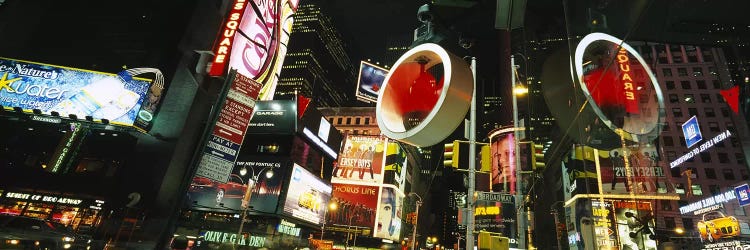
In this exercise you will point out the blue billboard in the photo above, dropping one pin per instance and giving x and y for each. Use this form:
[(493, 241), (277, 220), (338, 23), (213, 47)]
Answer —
[(692, 132), (115, 97)]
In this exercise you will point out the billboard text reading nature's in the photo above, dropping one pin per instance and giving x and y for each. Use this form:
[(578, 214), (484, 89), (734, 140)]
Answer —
[(71, 91)]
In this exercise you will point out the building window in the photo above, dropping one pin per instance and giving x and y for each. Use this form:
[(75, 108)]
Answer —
[(685, 84), (713, 127), (696, 189), (340, 120), (739, 210), (710, 173), (367, 120), (705, 157), (744, 174), (682, 72), (740, 158), (666, 205), (357, 120), (348, 120), (744, 228), (666, 71), (676, 112), (671, 155), (675, 172), (669, 222), (735, 142), (716, 84), (701, 84), (665, 127), (705, 98), (728, 174), (673, 98), (723, 158), (356, 131), (670, 84), (709, 112), (725, 112), (730, 126), (679, 188), (697, 71), (692, 112), (714, 189), (712, 70), (689, 98), (719, 98), (687, 223), (682, 141), (668, 141)]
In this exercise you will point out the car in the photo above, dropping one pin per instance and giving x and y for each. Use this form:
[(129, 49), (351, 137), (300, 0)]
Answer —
[(715, 225), (310, 200), (234, 189), (21, 232)]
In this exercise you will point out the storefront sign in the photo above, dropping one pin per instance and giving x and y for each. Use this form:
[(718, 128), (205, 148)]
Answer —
[(286, 227), (703, 147), (710, 202), (45, 119), (28, 85), (42, 198), (234, 238)]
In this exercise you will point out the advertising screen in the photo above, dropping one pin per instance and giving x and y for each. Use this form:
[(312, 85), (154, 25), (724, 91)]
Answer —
[(720, 220), (503, 171), (260, 43), (307, 196), (395, 165), (361, 160), (371, 78), (495, 212), (207, 194), (319, 131), (389, 215), (614, 224), (115, 97), (635, 224), (356, 207)]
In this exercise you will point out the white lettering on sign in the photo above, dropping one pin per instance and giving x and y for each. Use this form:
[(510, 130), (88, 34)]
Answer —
[(43, 198), (710, 202), (703, 147), (235, 239)]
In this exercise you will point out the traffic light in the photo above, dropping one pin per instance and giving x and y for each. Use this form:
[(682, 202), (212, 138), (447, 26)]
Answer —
[(448, 154), (537, 157), (484, 241), (486, 158)]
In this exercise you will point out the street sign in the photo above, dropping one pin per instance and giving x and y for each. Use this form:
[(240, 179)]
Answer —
[(495, 196)]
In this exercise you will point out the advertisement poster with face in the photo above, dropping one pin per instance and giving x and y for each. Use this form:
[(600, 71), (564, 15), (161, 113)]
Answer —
[(503, 171), (356, 206), (361, 160), (389, 215), (207, 194), (307, 196)]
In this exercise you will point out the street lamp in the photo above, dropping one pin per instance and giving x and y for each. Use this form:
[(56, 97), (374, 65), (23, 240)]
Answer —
[(249, 192), (331, 206), (416, 219)]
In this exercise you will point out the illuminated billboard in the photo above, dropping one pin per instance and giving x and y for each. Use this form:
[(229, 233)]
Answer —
[(389, 215), (720, 220), (254, 41), (614, 224), (119, 98), (307, 196), (503, 169), (361, 160), (370, 81), (395, 166), (211, 195), (356, 205)]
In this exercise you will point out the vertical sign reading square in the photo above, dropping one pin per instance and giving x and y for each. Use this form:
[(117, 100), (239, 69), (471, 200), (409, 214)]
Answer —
[(743, 195), (692, 132)]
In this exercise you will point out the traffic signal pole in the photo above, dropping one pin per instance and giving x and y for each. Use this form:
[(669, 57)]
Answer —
[(472, 159)]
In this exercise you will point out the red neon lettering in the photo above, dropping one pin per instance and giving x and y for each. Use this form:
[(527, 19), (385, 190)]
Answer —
[(222, 50), (624, 62)]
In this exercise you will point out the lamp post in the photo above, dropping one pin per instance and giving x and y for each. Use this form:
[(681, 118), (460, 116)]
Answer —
[(331, 206), (416, 220), (249, 192), (518, 90)]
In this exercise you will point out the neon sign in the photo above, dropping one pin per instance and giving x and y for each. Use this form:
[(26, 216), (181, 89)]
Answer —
[(624, 61), (235, 239), (227, 34), (708, 204), (703, 147)]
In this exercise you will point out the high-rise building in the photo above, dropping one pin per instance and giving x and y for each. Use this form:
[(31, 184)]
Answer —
[(691, 78), (317, 64)]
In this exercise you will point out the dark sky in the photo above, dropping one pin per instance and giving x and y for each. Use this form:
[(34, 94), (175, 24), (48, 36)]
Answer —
[(366, 24)]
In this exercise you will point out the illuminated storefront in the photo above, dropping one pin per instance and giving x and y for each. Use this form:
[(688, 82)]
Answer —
[(82, 214)]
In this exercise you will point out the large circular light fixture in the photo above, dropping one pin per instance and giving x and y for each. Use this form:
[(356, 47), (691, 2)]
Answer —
[(425, 96)]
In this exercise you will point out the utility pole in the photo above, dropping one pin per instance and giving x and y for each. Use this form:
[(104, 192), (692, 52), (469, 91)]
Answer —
[(416, 220), (472, 159), (520, 210)]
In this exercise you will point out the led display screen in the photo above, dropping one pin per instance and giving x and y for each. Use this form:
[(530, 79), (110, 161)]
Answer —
[(69, 91), (361, 160), (370, 81), (307, 196)]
